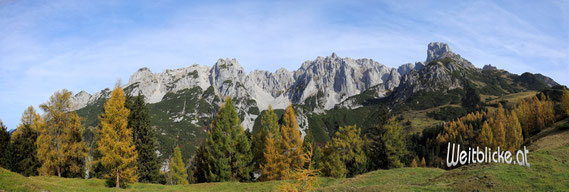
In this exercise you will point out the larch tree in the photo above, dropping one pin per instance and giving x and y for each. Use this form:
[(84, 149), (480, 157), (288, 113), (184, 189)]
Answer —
[(498, 122), (349, 146), (144, 138), (332, 164), (178, 169), (273, 166), (565, 102), (305, 179), (118, 152), (413, 163), (291, 141), (523, 112), (24, 143), (308, 146), (60, 146), (269, 125), (423, 162), (227, 148), (486, 138), (75, 149), (514, 138)]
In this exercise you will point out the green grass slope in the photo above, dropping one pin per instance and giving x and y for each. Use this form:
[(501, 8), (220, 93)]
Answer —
[(549, 171)]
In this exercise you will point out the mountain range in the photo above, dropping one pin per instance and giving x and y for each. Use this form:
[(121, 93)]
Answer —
[(326, 92)]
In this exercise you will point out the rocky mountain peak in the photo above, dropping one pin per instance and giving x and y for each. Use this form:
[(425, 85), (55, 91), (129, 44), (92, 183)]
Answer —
[(226, 70), (327, 81), (334, 55), (437, 50), (489, 67), (140, 75)]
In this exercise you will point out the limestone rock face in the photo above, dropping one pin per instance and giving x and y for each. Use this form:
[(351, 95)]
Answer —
[(322, 83), (406, 68), (330, 80), (80, 100), (489, 67), (155, 85), (437, 50), (437, 74)]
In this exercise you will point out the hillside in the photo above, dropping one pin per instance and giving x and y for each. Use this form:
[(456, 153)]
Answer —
[(549, 171)]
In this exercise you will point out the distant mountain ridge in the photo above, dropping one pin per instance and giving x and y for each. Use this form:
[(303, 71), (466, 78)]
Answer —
[(184, 101), (327, 81)]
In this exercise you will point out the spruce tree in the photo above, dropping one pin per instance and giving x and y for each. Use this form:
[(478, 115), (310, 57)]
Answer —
[(24, 143), (291, 141), (60, 146), (144, 139), (386, 145), (178, 169), (4, 146), (118, 153), (199, 166), (228, 151)]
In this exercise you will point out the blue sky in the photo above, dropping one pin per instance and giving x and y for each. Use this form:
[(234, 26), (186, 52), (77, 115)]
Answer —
[(46, 46)]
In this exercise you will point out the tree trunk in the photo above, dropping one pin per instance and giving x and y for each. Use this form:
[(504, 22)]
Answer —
[(58, 172), (118, 185)]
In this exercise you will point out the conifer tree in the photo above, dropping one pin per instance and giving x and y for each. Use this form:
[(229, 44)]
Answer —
[(547, 114), (524, 115), (199, 166), (332, 164), (565, 102), (413, 163), (60, 146), (486, 138), (227, 148), (423, 162), (75, 148), (514, 138), (269, 124), (144, 139), (498, 129), (24, 143), (118, 153), (393, 144), (305, 178), (349, 146), (178, 169), (291, 141), (273, 168), (4, 146), (307, 146)]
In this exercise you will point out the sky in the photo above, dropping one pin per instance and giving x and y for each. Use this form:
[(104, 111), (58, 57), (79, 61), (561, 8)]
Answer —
[(49, 45)]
